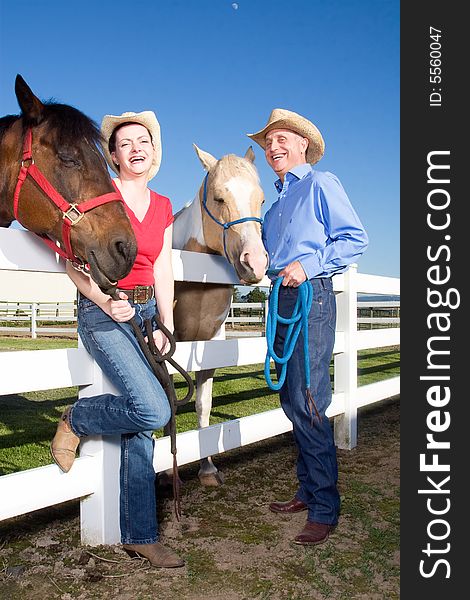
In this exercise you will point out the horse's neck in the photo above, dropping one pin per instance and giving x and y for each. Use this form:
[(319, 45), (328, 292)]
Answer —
[(187, 229)]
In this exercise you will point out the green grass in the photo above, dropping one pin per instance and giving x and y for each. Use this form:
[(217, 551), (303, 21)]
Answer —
[(28, 421), (9, 344)]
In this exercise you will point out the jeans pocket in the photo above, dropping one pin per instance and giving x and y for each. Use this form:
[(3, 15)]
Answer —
[(319, 302), (85, 304)]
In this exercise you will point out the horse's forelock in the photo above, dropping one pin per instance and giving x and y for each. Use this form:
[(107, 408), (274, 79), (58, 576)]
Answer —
[(70, 124), (232, 165)]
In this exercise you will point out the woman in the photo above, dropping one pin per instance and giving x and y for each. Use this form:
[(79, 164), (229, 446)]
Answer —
[(132, 149)]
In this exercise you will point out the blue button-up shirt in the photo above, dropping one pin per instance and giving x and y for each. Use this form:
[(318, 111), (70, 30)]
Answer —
[(312, 222)]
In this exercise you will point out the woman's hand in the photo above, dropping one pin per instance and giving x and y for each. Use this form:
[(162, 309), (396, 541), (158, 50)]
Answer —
[(161, 341), (120, 310)]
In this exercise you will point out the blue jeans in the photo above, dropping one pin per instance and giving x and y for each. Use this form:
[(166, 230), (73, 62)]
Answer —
[(317, 468), (141, 407)]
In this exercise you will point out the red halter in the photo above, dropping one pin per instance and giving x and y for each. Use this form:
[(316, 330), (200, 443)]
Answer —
[(71, 213)]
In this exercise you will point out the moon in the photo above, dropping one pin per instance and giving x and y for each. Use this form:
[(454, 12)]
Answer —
[(234, 6)]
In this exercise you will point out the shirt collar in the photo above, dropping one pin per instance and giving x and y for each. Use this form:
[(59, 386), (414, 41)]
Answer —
[(299, 172)]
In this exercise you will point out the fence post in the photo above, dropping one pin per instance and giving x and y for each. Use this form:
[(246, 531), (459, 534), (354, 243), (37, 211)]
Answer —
[(99, 513), (345, 363), (34, 315)]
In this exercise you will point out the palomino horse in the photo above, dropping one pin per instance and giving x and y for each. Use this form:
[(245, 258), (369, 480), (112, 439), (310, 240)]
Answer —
[(224, 218), (55, 182)]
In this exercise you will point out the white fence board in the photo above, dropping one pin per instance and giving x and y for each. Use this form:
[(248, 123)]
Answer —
[(377, 284), (378, 320), (33, 489), (377, 338), (29, 371), (386, 304), (196, 444), (368, 394), (24, 251)]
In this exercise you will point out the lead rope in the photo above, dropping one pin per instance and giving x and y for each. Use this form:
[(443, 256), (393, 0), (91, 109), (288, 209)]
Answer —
[(156, 361), (296, 323)]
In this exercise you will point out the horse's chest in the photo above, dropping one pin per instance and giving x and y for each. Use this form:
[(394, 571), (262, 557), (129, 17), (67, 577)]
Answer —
[(200, 309)]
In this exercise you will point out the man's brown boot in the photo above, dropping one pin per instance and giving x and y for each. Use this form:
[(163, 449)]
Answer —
[(292, 506), (65, 443), (157, 554), (314, 533)]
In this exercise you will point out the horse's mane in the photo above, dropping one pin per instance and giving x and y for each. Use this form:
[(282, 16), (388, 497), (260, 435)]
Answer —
[(5, 123), (69, 122)]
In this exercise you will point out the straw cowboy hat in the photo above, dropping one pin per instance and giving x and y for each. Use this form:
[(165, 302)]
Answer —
[(146, 118), (286, 119)]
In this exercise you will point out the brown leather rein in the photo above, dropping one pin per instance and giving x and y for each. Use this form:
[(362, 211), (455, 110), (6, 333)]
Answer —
[(72, 212), (156, 361)]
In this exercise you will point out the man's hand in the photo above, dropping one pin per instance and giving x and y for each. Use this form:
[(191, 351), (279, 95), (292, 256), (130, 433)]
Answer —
[(293, 274)]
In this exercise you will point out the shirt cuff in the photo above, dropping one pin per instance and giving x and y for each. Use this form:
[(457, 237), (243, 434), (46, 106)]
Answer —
[(311, 265)]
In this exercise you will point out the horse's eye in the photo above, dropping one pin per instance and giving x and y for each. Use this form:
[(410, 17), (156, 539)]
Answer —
[(220, 200), (68, 161)]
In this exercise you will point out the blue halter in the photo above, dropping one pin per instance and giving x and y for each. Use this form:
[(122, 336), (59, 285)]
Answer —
[(225, 226)]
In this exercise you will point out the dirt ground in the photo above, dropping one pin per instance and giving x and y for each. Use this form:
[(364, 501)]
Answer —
[(235, 548)]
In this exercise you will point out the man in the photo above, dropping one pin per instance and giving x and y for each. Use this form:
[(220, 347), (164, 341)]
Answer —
[(310, 233)]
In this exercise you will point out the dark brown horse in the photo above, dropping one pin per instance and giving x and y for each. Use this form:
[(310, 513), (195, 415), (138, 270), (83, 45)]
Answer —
[(54, 181)]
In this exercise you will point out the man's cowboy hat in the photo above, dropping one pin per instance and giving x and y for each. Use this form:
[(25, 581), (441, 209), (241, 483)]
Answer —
[(286, 119), (146, 118)]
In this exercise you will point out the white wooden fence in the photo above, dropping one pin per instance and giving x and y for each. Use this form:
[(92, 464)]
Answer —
[(35, 314), (94, 477)]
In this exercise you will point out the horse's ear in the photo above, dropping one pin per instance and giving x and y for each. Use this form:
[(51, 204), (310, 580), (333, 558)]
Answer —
[(250, 155), (207, 160), (31, 107)]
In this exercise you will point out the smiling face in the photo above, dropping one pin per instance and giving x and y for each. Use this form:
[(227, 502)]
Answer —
[(134, 151), (284, 150)]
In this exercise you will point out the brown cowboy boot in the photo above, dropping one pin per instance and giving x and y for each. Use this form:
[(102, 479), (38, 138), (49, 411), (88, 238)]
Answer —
[(314, 533), (64, 444), (292, 506), (157, 554)]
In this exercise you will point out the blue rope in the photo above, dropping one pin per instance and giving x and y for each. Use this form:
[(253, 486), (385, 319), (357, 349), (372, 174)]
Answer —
[(297, 322)]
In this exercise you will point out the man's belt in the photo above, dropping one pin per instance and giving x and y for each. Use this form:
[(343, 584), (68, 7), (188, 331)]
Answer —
[(140, 294)]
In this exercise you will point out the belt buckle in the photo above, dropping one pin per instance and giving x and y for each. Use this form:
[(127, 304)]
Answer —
[(141, 294)]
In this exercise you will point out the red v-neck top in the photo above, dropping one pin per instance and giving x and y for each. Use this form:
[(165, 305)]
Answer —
[(149, 235)]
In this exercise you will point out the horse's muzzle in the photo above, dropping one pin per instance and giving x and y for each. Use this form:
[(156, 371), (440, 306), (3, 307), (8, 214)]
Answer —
[(111, 262)]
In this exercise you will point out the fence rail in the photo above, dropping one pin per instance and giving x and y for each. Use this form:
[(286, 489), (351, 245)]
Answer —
[(94, 477), (241, 314)]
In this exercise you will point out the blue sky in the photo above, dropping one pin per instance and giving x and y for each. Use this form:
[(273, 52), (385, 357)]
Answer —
[(212, 70)]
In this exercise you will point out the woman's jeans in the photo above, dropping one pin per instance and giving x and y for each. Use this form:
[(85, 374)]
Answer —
[(317, 468), (141, 407)]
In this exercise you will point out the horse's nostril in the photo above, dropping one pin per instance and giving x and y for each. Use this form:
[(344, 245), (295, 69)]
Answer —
[(124, 249), (121, 248)]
